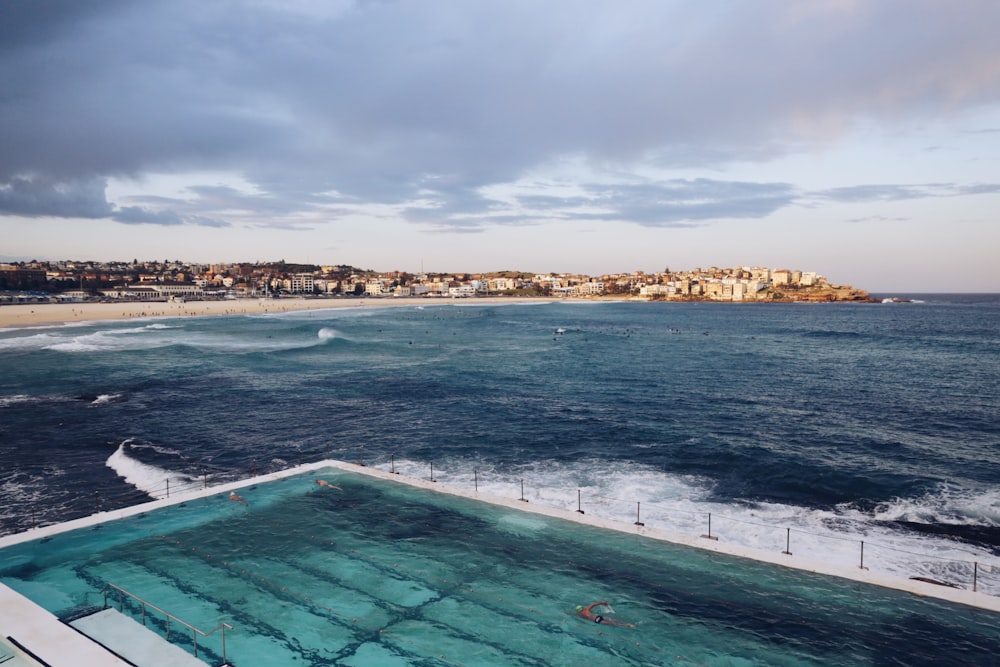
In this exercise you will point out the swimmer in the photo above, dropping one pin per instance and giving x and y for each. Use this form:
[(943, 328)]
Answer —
[(323, 482), (588, 613), (237, 499)]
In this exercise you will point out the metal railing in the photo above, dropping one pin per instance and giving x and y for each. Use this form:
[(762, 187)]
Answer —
[(195, 632)]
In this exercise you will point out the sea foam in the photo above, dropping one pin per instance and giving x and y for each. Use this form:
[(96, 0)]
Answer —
[(150, 479)]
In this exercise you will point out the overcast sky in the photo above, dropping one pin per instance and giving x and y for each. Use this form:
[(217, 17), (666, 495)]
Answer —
[(859, 139)]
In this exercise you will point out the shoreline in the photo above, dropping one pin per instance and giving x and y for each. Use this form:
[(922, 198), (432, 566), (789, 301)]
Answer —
[(15, 316)]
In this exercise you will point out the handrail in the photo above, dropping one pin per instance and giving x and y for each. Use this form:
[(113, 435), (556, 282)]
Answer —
[(194, 631)]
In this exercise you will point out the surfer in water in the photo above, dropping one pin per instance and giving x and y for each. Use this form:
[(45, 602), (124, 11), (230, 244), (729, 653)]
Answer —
[(326, 484), (589, 614)]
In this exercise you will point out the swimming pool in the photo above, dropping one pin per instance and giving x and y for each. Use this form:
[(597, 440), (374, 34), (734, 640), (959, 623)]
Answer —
[(379, 573)]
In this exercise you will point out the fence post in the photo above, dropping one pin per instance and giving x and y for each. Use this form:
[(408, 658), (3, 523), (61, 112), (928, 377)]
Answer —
[(475, 478), (709, 536), (392, 464), (523, 499), (361, 456), (432, 471), (578, 509), (975, 575), (862, 566), (788, 542), (168, 487), (637, 522)]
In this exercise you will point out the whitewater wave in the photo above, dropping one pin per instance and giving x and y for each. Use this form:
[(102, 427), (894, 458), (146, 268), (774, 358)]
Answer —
[(155, 481), (328, 333), (15, 399), (105, 399), (845, 536), (69, 339), (949, 505)]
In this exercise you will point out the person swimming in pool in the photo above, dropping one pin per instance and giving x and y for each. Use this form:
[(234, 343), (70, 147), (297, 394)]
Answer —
[(237, 498), (326, 484), (588, 613)]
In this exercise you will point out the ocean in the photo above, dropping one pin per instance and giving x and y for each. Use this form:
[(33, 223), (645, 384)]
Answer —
[(802, 427)]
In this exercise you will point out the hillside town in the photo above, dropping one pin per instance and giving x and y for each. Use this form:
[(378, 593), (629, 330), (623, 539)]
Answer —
[(39, 281)]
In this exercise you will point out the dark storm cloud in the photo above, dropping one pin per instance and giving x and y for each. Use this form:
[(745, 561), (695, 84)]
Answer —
[(34, 197), (374, 101)]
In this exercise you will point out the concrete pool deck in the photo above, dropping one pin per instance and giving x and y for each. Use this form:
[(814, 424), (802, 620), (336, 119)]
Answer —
[(57, 644)]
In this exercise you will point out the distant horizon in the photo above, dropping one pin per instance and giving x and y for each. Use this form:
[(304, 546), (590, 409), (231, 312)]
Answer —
[(872, 291)]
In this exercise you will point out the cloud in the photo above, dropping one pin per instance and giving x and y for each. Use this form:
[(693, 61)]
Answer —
[(40, 196), (869, 193), (135, 215), (675, 202), (395, 104)]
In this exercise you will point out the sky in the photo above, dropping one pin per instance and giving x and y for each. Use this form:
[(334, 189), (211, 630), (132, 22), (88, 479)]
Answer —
[(856, 138)]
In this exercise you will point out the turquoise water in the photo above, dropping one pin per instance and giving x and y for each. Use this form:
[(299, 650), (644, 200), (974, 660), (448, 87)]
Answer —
[(384, 574)]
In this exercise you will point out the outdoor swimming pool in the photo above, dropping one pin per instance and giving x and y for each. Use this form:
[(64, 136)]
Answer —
[(379, 573)]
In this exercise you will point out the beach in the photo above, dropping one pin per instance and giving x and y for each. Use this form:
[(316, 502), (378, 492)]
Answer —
[(43, 314)]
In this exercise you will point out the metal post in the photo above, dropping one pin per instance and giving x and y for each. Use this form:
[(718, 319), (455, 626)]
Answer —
[(637, 522), (975, 575), (204, 483), (862, 566), (143, 614), (168, 487), (578, 509), (361, 456), (392, 464), (432, 471), (710, 536), (194, 637), (788, 542), (224, 661), (475, 474), (523, 499)]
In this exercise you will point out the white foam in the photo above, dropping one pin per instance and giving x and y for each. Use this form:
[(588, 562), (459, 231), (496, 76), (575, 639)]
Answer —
[(150, 479), (627, 491), (328, 333), (15, 399), (104, 399), (947, 505)]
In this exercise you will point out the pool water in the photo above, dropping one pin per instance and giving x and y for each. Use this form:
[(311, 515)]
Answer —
[(378, 573)]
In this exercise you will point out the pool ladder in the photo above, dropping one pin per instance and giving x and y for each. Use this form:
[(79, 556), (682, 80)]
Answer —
[(195, 632)]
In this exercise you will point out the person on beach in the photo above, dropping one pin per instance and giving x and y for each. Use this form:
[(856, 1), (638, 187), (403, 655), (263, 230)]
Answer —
[(236, 498), (588, 613), (324, 483)]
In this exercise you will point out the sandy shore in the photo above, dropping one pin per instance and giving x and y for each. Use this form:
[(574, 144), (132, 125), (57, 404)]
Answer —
[(36, 314)]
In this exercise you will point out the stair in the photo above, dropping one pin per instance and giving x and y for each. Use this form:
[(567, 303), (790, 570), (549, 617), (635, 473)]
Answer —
[(133, 641)]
